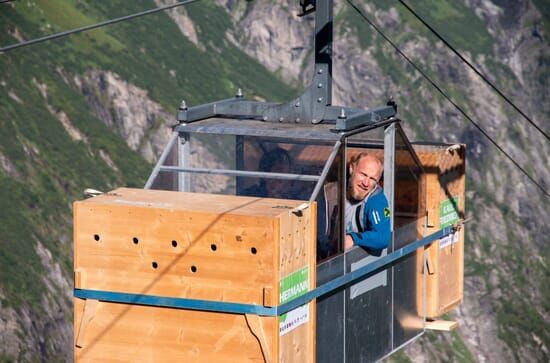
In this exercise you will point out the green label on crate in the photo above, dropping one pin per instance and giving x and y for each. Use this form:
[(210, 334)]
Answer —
[(290, 287), (448, 212), (294, 285)]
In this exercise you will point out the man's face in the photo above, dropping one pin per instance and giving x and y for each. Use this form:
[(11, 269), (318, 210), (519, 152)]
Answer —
[(364, 176)]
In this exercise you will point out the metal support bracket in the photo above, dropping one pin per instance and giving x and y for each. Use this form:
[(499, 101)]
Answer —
[(313, 106)]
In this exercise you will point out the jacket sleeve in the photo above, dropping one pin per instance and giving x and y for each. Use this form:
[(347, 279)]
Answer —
[(376, 219)]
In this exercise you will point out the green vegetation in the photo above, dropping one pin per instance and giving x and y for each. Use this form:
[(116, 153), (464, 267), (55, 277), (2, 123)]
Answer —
[(53, 170), (502, 75), (5, 359), (542, 6), (515, 316), (238, 68), (17, 246), (454, 350), (50, 168), (399, 357), (412, 107), (515, 313), (350, 19), (460, 351), (449, 18)]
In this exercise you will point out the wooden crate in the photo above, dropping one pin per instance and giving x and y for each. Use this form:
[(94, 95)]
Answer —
[(445, 187), (197, 246)]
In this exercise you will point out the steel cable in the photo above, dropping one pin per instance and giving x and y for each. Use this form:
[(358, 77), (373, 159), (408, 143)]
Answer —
[(472, 67), (93, 26), (476, 125)]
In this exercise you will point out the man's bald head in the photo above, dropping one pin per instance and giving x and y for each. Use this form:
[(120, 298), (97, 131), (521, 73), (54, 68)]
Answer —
[(365, 171)]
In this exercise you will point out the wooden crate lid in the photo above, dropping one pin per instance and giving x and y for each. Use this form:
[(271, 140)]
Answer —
[(439, 157), (195, 202)]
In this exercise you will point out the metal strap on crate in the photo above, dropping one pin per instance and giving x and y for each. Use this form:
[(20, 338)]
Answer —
[(237, 308)]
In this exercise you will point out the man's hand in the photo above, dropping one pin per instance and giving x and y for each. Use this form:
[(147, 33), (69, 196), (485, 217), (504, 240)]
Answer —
[(348, 243)]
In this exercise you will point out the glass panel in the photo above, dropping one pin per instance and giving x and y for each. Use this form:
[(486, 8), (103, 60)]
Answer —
[(211, 152), (409, 213), (330, 335), (229, 154), (408, 286), (168, 180), (328, 212), (409, 191), (293, 157), (375, 136), (279, 156)]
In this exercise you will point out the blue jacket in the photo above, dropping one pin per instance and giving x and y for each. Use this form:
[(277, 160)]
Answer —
[(372, 219)]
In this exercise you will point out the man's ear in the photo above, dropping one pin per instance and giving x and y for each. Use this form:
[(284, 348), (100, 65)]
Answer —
[(350, 169)]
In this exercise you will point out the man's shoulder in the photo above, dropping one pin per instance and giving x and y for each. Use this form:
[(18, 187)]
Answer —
[(377, 198)]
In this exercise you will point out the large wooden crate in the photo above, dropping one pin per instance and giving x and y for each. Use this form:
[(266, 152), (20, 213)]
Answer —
[(445, 184), (196, 246)]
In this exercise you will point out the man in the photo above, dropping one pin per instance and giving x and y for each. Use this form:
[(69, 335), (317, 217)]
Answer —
[(276, 160), (367, 214)]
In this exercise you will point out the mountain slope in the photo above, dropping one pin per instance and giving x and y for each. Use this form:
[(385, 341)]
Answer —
[(505, 312), (82, 112), (92, 110)]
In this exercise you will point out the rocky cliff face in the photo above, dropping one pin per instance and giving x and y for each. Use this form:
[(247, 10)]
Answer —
[(90, 111), (505, 313), (141, 122), (272, 34)]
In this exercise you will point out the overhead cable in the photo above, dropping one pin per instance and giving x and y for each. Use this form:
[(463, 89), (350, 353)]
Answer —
[(476, 125), (472, 67), (93, 26)]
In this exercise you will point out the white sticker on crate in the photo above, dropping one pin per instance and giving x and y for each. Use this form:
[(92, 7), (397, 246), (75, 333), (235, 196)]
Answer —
[(290, 287), (448, 240)]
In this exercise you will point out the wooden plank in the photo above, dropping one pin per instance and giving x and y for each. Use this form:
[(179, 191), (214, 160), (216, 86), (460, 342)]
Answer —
[(311, 233), (451, 257), (196, 202), (286, 246), (462, 205), (298, 250), (445, 266), (278, 235), (432, 201), (201, 255), (138, 333), (436, 157), (78, 278), (255, 324), (442, 325), (88, 314), (176, 287), (432, 251)]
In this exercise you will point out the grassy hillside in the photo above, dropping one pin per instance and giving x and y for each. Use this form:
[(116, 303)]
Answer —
[(45, 169)]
